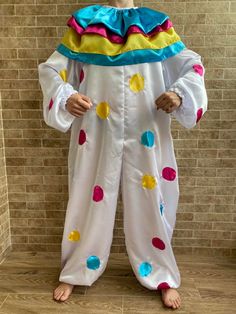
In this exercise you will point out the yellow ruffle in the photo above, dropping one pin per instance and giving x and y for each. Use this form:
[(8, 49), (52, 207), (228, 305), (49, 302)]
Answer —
[(92, 43)]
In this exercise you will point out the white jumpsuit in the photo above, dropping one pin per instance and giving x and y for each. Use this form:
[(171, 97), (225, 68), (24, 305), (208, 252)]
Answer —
[(123, 139)]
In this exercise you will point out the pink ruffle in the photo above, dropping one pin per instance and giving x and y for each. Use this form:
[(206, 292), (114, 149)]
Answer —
[(101, 30)]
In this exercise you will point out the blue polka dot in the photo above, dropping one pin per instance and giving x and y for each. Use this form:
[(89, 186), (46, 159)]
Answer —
[(147, 138), (145, 269), (161, 208), (93, 262)]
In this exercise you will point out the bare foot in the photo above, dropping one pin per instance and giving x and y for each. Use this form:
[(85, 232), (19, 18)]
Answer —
[(171, 297), (63, 291)]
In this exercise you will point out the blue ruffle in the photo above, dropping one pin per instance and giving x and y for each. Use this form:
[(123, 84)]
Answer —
[(127, 58), (119, 20)]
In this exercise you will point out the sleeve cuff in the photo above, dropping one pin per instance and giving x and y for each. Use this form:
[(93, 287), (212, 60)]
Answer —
[(179, 91), (69, 90)]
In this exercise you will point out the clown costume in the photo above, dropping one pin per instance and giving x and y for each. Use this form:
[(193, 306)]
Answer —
[(123, 59)]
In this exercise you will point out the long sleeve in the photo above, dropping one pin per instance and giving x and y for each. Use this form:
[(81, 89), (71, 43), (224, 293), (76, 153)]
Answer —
[(184, 74), (55, 75)]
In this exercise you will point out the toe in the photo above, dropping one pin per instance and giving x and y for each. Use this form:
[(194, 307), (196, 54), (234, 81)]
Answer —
[(56, 292), (59, 295), (64, 296), (173, 304), (170, 302), (177, 303)]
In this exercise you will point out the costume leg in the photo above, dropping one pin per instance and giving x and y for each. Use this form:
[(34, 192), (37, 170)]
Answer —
[(94, 168), (149, 185)]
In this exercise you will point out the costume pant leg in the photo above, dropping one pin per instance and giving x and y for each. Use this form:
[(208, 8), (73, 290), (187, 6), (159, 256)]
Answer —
[(149, 181), (94, 168)]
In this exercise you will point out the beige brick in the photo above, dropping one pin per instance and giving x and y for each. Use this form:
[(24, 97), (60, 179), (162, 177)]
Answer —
[(35, 9), (211, 7)]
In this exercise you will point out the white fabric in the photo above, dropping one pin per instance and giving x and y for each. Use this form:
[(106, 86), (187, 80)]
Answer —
[(113, 152)]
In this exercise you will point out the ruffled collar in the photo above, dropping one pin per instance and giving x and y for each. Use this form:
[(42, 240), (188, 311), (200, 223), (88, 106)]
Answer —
[(118, 20)]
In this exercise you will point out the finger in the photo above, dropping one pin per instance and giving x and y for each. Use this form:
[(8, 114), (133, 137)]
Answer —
[(162, 100), (80, 110), (167, 106), (163, 96), (78, 113), (75, 107), (86, 98), (164, 103), (84, 104), (158, 101)]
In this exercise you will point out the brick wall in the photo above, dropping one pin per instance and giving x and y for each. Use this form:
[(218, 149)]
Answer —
[(36, 155)]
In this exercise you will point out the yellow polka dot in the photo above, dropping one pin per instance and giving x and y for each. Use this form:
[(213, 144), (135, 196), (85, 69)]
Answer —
[(136, 83), (74, 235), (63, 74), (103, 110), (148, 181)]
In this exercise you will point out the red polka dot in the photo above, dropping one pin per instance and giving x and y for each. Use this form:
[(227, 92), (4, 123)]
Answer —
[(158, 243), (198, 69), (199, 114), (82, 137), (163, 285), (50, 104), (168, 173), (97, 193), (81, 77)]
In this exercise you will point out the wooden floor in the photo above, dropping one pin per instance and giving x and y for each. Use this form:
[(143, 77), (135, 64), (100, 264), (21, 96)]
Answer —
[(28, 279)]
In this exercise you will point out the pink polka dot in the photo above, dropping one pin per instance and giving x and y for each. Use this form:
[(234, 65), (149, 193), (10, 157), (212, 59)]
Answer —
[(82, 137), (50, 104), (199, 114), (198, 69), (158, 243), (97, 193), (81, 77), (168, 173), (163, 285)]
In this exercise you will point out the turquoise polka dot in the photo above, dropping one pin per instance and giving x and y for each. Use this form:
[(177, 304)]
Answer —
[(147, 138), (93, 262), (145, 269), (161, 208)]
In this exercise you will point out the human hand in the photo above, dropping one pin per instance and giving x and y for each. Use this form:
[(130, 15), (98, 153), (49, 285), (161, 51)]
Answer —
[(168, 101), (77, 104)]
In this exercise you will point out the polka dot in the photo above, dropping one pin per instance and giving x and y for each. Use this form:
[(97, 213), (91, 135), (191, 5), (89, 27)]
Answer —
[(103, 110), (148, 181), (158, 243), (50, 104), (136, 83), (63, 74), (82, 137), (81, 76), (147, 139), (199, 114), (163, 285), (168, 173), (74, 235), (97, 193), (161, 208), (93, 262), (198, 69), (145, 269)]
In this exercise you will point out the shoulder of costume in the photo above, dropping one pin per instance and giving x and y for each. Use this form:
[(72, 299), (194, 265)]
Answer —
[(106, 35)]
